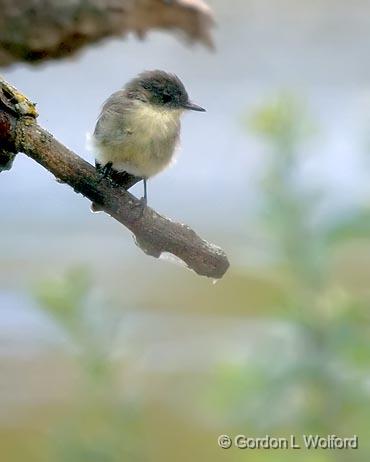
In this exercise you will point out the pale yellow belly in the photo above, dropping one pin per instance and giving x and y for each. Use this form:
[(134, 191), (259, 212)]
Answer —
[(145, 144), (137, 158)]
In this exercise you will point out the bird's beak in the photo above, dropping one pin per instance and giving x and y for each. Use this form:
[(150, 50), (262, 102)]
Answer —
[(193, 107)]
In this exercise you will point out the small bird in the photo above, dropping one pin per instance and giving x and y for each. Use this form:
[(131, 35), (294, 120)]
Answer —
[(139, 127)]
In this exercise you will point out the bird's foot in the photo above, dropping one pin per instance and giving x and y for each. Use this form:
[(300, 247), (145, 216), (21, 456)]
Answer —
[(113, 182), (105, 172)]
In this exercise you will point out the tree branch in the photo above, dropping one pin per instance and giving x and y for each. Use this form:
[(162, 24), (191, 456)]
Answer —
[(35, 31), (154, 234)]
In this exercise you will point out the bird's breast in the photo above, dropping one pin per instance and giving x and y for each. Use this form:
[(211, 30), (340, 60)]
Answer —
[(153, 122), (146, 140)]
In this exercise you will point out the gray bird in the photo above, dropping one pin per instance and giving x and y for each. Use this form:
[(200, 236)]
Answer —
[(139, 127)]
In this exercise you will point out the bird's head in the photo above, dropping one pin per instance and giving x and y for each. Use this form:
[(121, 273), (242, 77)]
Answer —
[(161, 89)]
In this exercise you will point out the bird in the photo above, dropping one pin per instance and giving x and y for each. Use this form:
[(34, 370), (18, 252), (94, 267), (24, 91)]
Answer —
[(138, 129)]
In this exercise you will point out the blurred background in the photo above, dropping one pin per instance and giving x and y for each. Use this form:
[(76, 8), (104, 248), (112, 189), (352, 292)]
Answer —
[(108, 355)]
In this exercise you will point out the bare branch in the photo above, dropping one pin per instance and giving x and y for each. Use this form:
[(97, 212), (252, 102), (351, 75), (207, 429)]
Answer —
[(34, 31), (155, 234)]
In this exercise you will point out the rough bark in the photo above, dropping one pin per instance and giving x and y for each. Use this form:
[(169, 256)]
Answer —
[(154, 234), (36, 30)]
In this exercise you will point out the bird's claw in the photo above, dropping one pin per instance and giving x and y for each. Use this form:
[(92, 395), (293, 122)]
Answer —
[(105, 172)]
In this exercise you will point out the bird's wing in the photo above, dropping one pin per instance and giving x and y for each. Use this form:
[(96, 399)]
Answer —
[(111, 127)]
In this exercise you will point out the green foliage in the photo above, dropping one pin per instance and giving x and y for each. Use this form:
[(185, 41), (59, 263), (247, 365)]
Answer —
[(288, 208), (315, 380), (283, 122), (99, 426), (65, 297)]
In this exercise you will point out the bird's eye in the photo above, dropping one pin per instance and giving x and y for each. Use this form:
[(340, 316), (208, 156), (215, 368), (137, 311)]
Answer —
[(166, 98)]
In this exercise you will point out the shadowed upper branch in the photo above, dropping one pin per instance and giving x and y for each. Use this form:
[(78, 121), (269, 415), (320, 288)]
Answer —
[(46, 29)]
